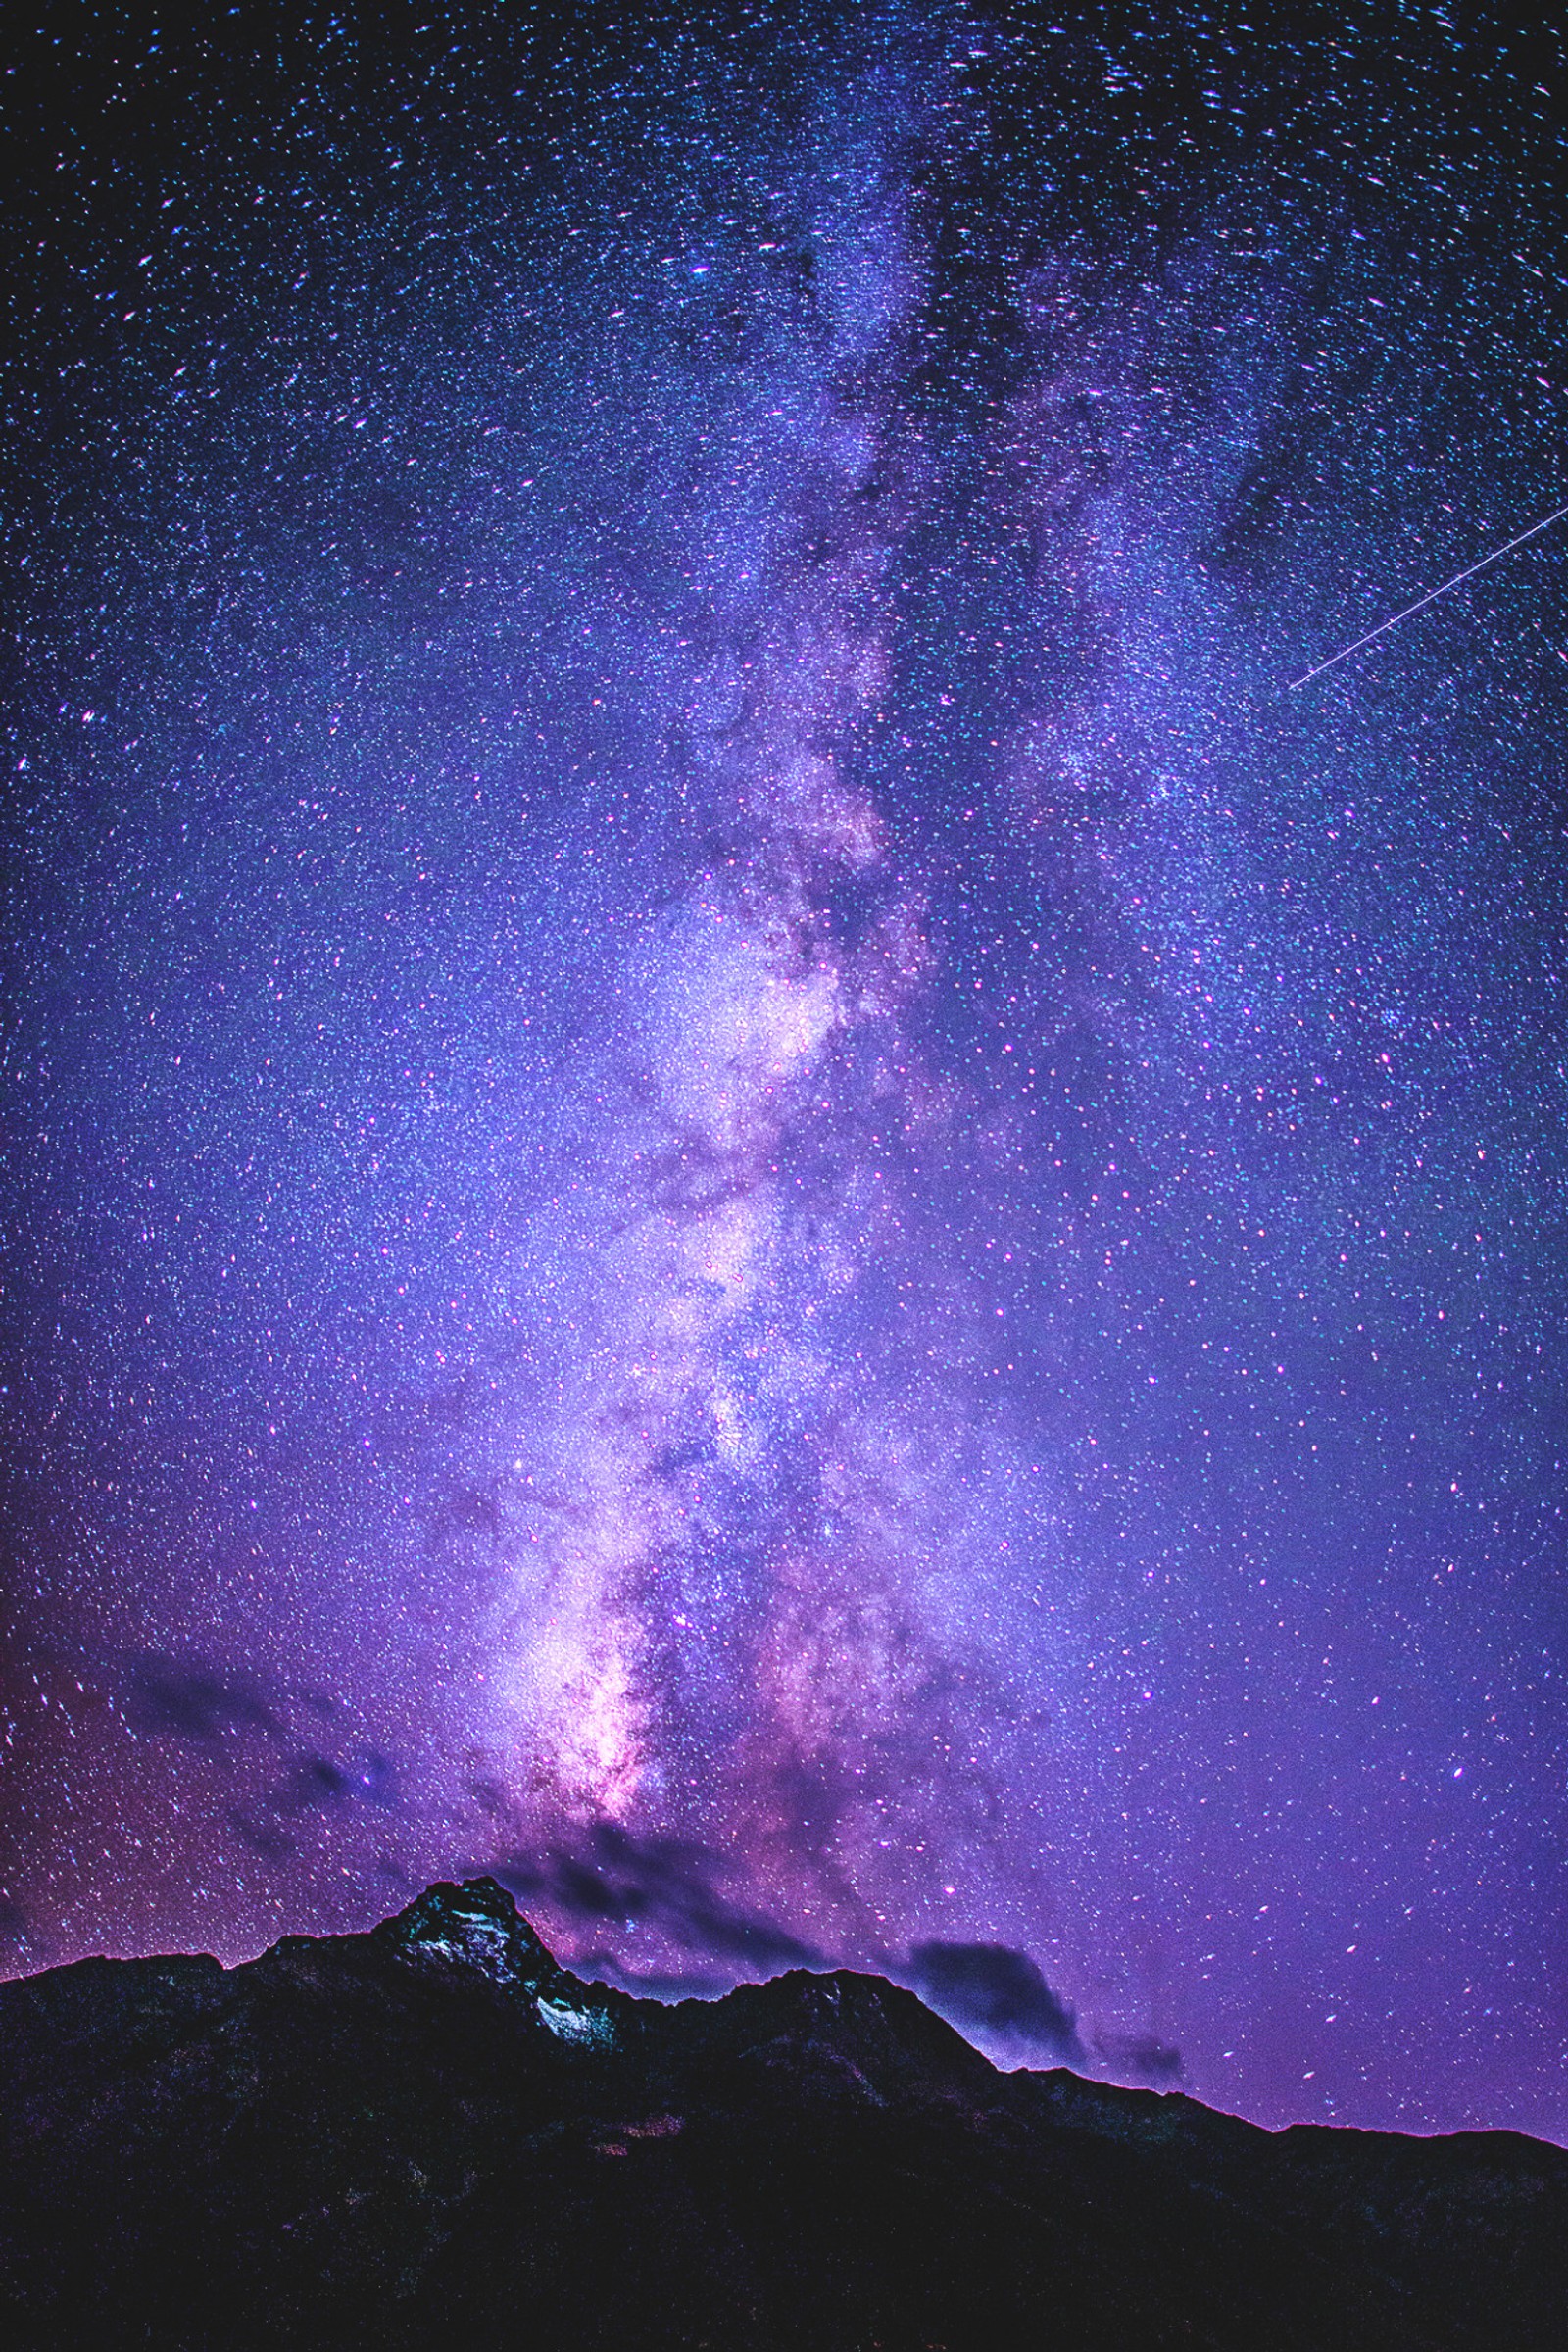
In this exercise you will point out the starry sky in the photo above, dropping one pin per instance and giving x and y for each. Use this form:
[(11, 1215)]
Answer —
[(744, 1178)]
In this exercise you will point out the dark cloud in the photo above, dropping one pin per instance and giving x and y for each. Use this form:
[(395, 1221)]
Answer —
[(316, 1783), (608, 1874), (990, 1989), (263, 1838), (320, 1703), (1139, 2058), (652, 1985), (186, 1699), (322, 1784)]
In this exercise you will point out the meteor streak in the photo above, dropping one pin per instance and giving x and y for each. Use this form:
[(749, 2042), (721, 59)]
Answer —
[(1430, 598)]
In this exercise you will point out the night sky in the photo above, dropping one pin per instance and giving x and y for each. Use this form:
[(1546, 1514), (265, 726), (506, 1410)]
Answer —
[(743, 1178)]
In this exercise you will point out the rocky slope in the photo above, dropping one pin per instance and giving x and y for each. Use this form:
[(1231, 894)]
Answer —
[(434, 2135)]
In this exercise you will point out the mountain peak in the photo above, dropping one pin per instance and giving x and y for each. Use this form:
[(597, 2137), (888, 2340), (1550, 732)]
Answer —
[(474, 1924), (475, 1927)]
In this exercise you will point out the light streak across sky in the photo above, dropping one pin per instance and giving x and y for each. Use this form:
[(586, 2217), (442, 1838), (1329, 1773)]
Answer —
[(1421, 603)]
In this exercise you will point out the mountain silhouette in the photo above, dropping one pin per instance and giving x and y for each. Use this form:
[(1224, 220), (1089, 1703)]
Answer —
[(434, 2135)]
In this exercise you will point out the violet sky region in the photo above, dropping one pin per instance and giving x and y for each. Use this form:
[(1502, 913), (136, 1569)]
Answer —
[(742, 1180)]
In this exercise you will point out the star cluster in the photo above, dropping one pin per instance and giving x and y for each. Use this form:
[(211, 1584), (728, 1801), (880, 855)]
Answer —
[(747, 1180)]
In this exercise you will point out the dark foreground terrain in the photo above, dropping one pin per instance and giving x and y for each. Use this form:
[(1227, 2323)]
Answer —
[(432, 2136)]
